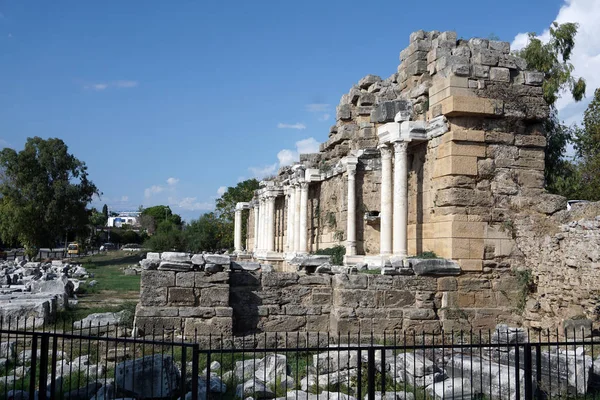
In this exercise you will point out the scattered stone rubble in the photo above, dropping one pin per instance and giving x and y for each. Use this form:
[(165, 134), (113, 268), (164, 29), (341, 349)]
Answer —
[(32, 292), (210, 263)]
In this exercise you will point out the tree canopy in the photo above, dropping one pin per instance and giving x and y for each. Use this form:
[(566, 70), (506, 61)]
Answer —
[(152, 217), (44, 194), (225, 208), (552, 58)]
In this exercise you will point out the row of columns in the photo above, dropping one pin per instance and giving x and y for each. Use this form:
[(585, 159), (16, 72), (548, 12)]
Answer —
[(394, 199)]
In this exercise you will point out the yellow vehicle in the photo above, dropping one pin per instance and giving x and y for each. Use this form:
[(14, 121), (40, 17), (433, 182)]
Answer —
[(73, 249)]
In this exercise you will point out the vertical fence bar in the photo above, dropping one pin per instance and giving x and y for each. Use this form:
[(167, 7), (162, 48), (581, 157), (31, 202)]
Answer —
[(33, 364), (183, 370), (195, 359), (517, 373), (44, 366), (371, 372), (527, 372)]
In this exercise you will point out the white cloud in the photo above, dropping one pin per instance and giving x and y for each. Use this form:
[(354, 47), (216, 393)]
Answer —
[(124, 198), (262, 172), (190, 204), (586, 54), (221, 190), (4, 143), (317, 107), (297, 125), (287, 157), (125, 84), (307, 146), (154, 189), (172, 181), (100, 86), (324, 117)]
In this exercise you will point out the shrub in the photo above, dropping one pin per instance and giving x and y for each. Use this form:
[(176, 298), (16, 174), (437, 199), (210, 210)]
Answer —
[(336, 252)]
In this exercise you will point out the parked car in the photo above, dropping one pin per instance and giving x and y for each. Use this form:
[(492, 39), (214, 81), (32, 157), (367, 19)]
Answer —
[(131, 247), (73, 249), (108, 247)]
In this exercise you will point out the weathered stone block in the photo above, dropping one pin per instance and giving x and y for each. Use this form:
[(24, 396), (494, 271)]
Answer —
[(344, 281), (355, 298), (317, 323), (459, 149), (455, 165), (153, 296), (324, 280), (322, 296), (367, 81), (380, 282), (367, 99), (502, 47), (534, 78), (500, 74), (214, 297), (420, 314), (185, 279), (175, 257), (156, 279), (344, 112), (202, 279), (142, 311), (178, 296), (219, 259), (279, 279), (530, 140), (485, 57), (447, 284), (283, 323), (499, 137), (398, 298), (196, 312), (212, 326)]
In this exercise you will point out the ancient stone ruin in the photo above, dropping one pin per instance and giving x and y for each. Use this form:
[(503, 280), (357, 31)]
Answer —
[(444, 158)]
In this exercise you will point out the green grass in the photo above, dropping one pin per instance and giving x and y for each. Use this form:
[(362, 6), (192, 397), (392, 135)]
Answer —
[(107, 269)]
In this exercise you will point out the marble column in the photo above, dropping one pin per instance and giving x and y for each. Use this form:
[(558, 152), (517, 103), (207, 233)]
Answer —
[(261, 225), (270, 223), (351, 220), (290, 219), (400, 198), (237, 230), (303, 242), (256, 219), (297, 202), (385, 216)]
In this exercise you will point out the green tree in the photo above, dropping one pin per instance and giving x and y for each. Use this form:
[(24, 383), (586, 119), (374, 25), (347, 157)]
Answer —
[(97, 218), (204, 234), (552, 58), (225, 209), (105, 212), (152, 217), (587, 146), (44, 194), (168, 237)]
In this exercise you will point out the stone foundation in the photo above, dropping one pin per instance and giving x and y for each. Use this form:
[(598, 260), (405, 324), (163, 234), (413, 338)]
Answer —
[(242, 302)]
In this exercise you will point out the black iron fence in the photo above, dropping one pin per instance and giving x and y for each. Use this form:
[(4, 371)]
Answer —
[(101, 361)]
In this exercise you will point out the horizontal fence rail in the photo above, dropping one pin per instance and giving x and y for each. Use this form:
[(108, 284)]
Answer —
[(101, 361)]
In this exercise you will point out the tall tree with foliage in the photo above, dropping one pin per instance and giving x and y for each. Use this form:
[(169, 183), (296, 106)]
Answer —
[(44, 194), (203, 234), (553, 59), (152, 217), (225, 209), (167, 237), (587, 146)]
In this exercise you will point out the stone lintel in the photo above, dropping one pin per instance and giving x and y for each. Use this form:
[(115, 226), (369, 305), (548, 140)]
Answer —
[(242, 206), (404, 131)]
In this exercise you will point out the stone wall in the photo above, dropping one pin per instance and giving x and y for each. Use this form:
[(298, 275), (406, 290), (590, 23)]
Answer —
[(242, 302)]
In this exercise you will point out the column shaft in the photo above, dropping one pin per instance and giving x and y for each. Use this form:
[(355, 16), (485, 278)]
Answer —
[(256, 217), (261, 232), (297, 219), (237, 230), (400, 198), (303, 218), (290, 220), (270, 224), (385, 241), (351, 218)]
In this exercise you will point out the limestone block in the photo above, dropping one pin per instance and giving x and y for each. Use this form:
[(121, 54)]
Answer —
[(448, 92), (211, 326), (485, 57), (282, 323), (198, 259), (455, 165), (499, 137), (344, 112), (456, 106), (185, 279), (530, 179), (420, 326), (367, 81), (324, 280), (219, 259), (440, 83), (157, 279), (344, 281), (143, 311), (503, 47), (481, 71), (317, 323), (460, 135), (398, 298), (322, 296), (380, 282), (471, 265), (214, 297), (175, 256), (279, 279), (196, 312), (534, 78), (462, 197), (153, 296), (447, 283), (355, 298), (463, 149), (181, 296), (530, 140), (174, 266), (419, 314), (500, 74)]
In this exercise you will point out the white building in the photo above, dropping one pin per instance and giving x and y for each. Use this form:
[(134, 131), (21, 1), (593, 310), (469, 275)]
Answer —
[(124, 218)]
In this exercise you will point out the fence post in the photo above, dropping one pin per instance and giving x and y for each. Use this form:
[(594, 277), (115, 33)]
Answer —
[(528, 373), (371, 372), (195, 360), (183, 370), (34, 340), (538, 367), (43, 384), (517, 372)]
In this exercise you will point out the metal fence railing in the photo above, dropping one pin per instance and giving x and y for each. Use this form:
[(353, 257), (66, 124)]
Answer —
[(96, 361)]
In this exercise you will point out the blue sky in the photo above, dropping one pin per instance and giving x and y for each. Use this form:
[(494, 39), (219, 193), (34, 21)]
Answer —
[(167, 102)]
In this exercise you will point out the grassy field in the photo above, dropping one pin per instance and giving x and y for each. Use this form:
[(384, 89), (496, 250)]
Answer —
[(114, 291)]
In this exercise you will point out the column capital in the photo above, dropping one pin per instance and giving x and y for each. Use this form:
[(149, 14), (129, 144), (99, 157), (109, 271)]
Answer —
[(303, 185), (400, 146), (386, 151)]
